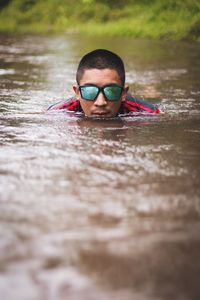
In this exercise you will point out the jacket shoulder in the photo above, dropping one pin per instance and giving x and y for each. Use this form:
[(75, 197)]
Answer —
[(139, 105), (71, 104)]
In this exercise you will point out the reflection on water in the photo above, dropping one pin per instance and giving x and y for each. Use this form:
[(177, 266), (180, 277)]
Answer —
[(92, 209)]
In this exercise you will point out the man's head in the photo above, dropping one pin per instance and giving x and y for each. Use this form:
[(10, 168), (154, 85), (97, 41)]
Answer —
[(101, 59), (100, 83)]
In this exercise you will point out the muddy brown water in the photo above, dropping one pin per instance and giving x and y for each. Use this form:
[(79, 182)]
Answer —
[(92, 210)]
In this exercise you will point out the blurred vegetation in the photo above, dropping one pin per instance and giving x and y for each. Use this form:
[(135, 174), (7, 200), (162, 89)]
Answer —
[(160, 19)]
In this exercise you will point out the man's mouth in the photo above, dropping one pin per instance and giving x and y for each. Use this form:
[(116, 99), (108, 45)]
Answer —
[(100, 113)]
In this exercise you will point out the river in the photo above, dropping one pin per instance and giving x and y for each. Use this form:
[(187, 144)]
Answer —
[(92, 210)]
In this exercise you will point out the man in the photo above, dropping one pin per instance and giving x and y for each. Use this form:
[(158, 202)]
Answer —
[(101, 91)]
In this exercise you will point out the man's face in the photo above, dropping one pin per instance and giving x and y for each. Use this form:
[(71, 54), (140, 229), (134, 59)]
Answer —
[(100, 107)]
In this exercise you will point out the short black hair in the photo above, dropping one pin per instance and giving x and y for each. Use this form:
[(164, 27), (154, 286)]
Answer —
[(101, 59)]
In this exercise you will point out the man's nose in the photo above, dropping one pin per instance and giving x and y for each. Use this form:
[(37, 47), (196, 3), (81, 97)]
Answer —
[(100, 100)]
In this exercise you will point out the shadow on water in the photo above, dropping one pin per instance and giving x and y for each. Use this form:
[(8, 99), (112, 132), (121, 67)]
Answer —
[(92, 209)]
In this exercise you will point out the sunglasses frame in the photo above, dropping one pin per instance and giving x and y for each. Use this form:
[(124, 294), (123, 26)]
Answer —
[(101, 89)]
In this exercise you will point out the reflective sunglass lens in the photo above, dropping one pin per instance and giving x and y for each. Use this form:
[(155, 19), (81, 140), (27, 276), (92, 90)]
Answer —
[(89, 92), (113, 92)]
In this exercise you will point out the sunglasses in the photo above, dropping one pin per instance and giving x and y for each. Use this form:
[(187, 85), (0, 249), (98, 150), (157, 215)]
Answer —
[(112, 92)]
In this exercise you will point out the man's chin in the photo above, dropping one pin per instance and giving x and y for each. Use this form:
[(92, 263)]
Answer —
[(101, 116)]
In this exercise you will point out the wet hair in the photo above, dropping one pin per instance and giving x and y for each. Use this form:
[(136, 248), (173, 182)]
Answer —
[(101, 59)]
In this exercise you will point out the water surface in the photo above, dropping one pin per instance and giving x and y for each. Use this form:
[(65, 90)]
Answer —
[(92, 209)]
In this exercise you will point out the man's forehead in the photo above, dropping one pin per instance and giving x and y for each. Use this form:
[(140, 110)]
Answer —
[(100, 74)]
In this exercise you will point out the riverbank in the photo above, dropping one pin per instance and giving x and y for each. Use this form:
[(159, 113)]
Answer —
[(173, 20)]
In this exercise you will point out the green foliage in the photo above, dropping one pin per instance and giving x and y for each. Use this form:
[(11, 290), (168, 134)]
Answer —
[(26, 5), (168, 19), (4, 3)]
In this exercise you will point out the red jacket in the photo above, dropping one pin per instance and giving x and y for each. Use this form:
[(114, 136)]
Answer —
[(131, 104)]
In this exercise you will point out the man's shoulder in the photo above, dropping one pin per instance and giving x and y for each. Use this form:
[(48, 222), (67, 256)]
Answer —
[(70, 104), (133, 104)]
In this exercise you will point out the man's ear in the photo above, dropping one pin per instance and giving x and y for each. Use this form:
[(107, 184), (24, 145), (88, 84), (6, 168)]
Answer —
[(124, 93), (76, 91)]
